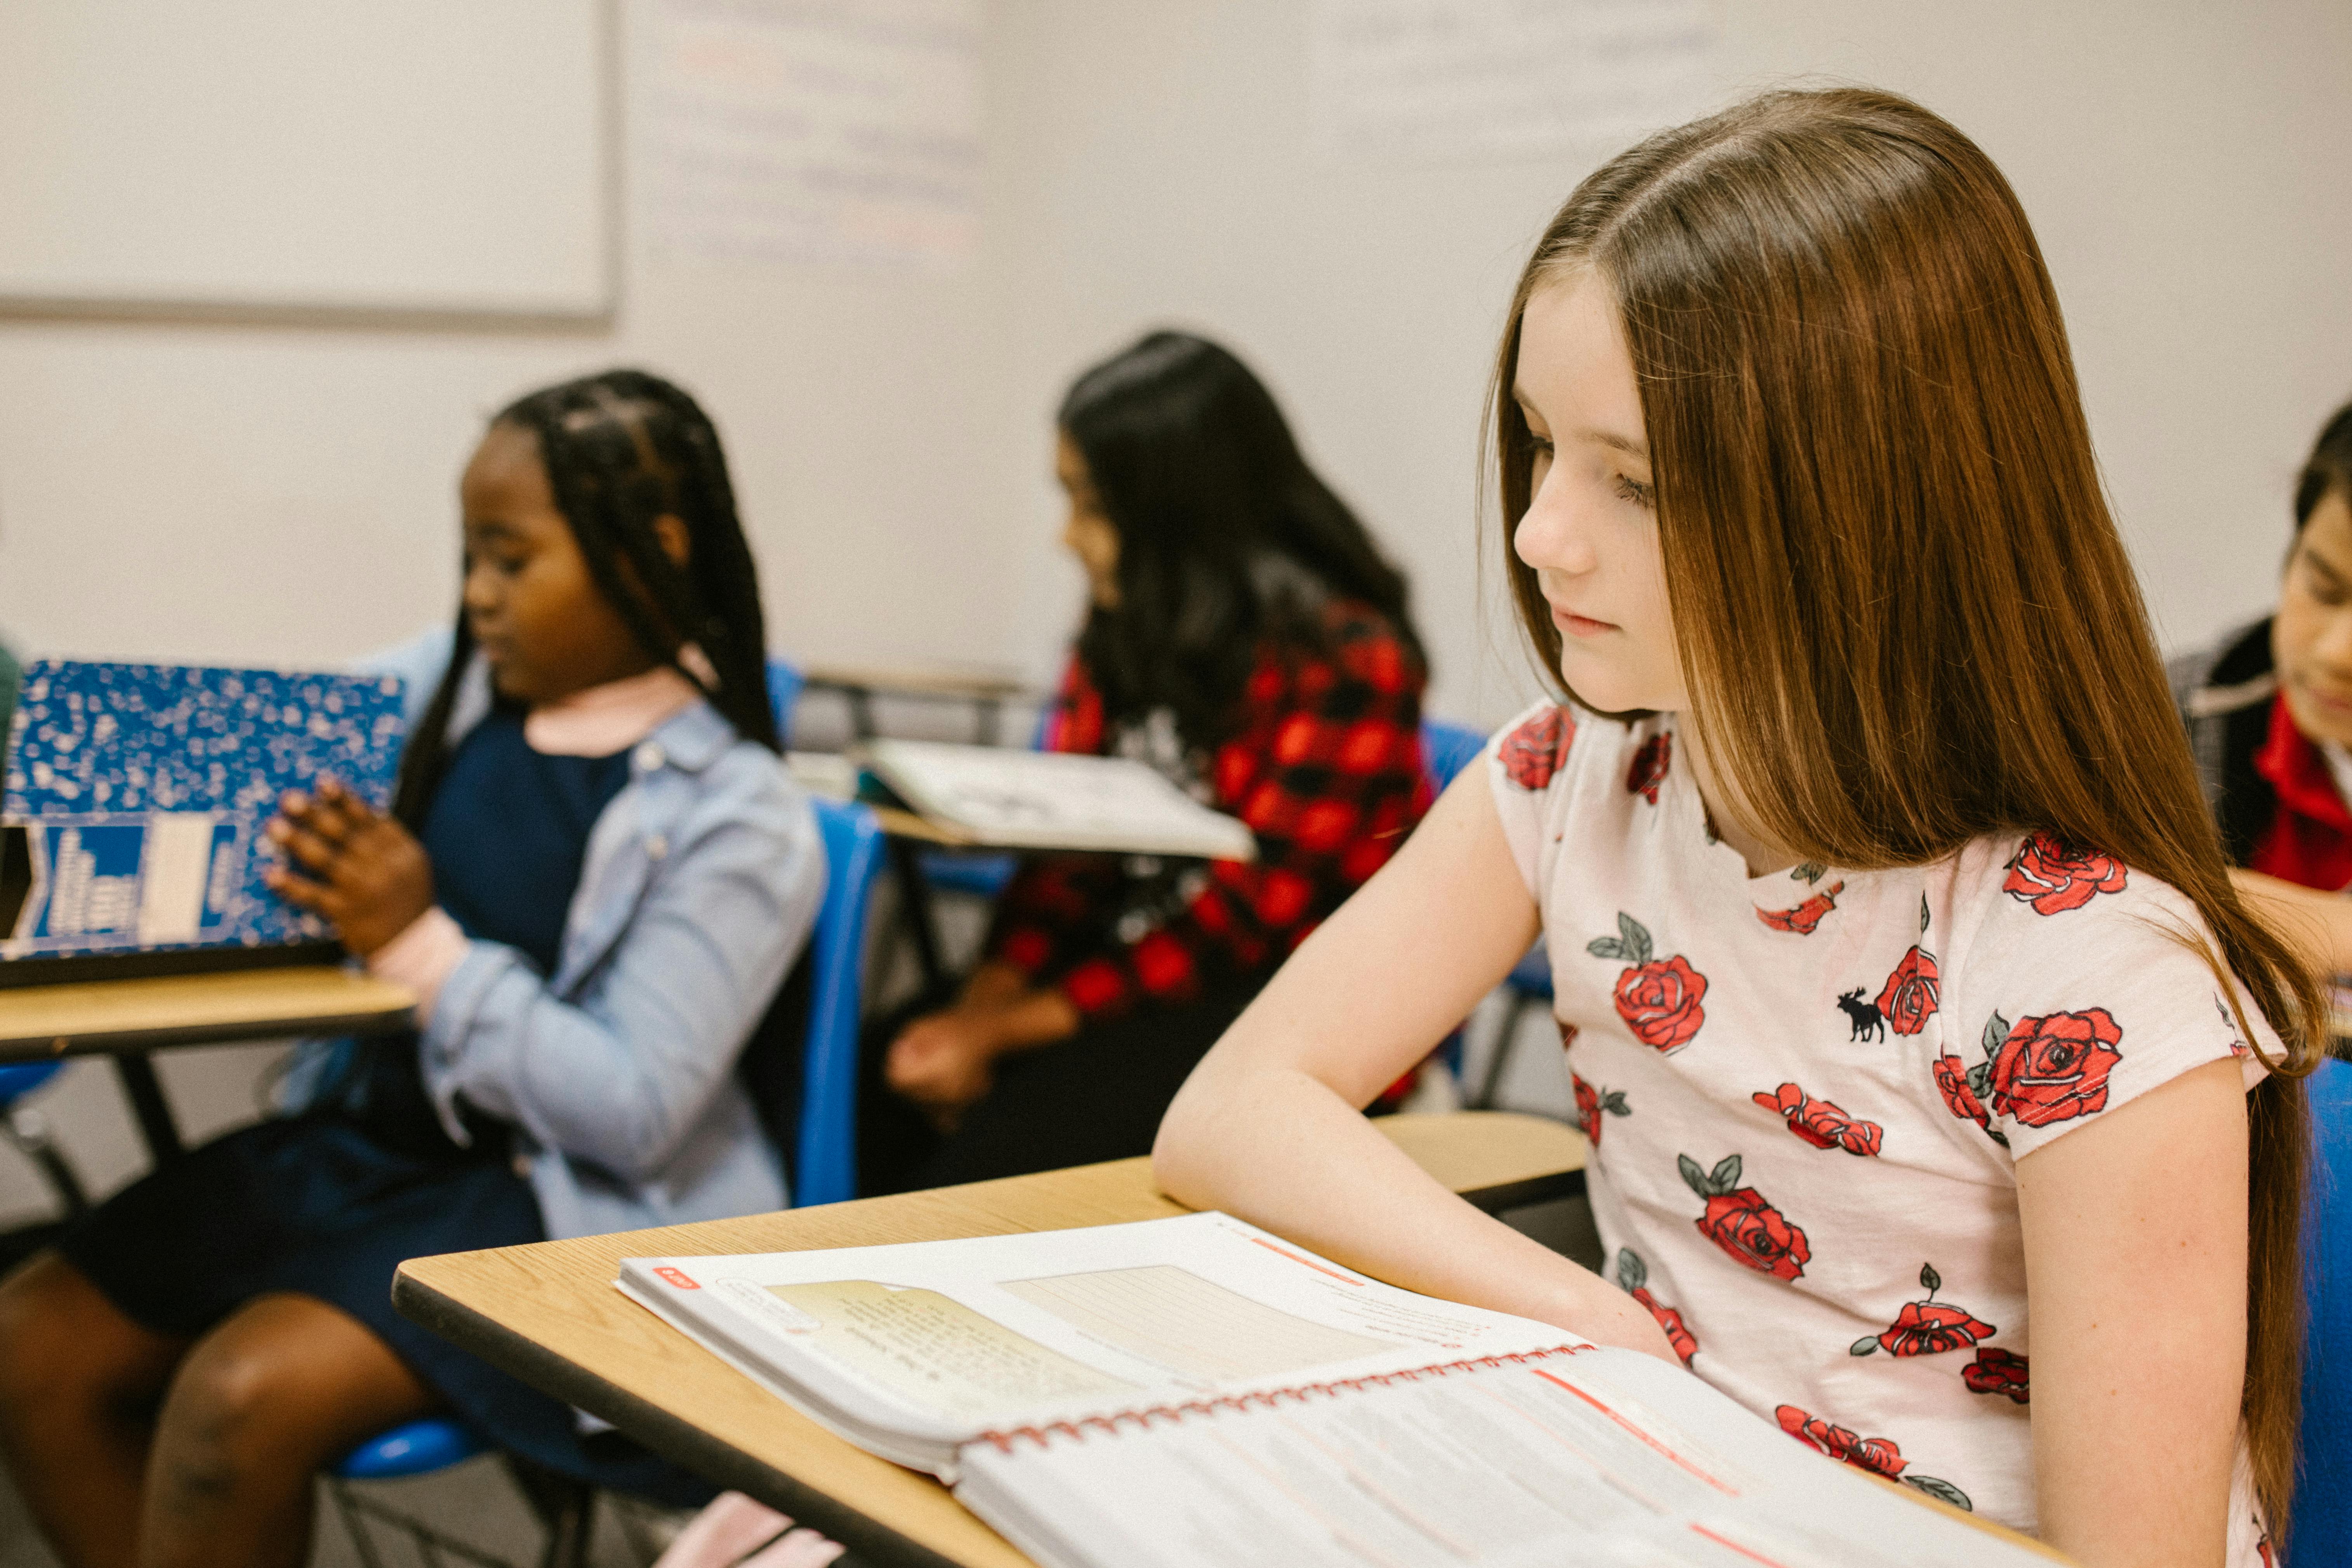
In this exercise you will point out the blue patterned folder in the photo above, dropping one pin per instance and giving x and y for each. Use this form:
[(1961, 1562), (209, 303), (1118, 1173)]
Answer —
[(136, 795)]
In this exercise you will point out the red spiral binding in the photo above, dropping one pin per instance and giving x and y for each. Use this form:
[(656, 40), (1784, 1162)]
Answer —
[(1264, 1398)]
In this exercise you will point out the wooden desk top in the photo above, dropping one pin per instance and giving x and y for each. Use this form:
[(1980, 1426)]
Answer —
[(549, 1314), (40, 1021), (899, 823)]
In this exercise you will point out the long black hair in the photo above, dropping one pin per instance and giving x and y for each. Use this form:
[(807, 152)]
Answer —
[(1225, 536), (2328, 470), (623, 449)]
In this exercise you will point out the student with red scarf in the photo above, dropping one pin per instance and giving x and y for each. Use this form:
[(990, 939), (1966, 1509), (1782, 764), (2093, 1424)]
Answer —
[(2269, 710), (1246, 638)]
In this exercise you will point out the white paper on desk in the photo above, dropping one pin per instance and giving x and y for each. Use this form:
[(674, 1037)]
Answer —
[(779, 130), (1054, 800), (1456, 78), (1193, 1390), (1599, 1458), (912, 1350)]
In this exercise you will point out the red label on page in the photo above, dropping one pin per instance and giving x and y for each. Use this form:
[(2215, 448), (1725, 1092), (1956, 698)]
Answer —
[(679, 1278)]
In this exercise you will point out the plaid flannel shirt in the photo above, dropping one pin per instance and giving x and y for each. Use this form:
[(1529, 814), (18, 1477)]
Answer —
[(1326, 769)]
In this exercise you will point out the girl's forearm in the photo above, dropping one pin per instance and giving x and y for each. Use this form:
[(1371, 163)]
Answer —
[(1277, 1148), (2318, 924), (1030, 1019)]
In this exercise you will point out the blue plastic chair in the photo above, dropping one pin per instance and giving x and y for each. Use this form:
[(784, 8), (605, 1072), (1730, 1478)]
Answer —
[(1446, 748), (784, 684), (2322, 1498), (823, 1159), (824, 1162)]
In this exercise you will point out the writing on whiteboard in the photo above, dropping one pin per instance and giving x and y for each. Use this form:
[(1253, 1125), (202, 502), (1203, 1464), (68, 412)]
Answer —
[(1446, 78), (812, 131)]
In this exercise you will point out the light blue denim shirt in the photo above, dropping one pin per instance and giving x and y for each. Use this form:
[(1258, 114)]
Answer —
[(700, 886)]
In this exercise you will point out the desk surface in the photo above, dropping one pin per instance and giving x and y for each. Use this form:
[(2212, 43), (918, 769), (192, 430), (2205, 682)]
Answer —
[(549, 1314), (39, 1021)]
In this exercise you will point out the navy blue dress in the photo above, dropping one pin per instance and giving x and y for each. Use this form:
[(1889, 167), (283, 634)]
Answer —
[(328, 1202)]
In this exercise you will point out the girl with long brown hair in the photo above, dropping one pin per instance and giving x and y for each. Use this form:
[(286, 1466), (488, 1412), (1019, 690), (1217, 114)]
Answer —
[(1945, 1102)]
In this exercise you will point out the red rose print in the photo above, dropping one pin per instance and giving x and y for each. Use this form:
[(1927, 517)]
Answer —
[(1805, 916), (1677, 1336), (2054, 877), (1649, 769), (1591, 1104), (1877, 1455), (1925, 1327), (1659, 998), (1740, 1221), (1632, 1277), (1820, 1124), (1996, 1371), (1534, 752), (1966, 1089), (1909, 998), (1660, 1001), (1952, 1082), (1874, 1454), (2055, 1068)]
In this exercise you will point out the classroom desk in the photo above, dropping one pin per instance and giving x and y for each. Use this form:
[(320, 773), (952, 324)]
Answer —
[(127, 1018), (986, 690), (549, 1314)]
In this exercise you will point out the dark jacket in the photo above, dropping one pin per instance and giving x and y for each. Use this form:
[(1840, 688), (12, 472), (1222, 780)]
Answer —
[(2224, 695)]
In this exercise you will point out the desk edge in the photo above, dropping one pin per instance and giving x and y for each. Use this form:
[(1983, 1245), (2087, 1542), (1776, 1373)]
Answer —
[(1548, 1187), (371, 1021), (676, 1439)]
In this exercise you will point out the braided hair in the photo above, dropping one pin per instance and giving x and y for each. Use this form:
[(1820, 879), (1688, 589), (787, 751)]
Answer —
[(623, 449)]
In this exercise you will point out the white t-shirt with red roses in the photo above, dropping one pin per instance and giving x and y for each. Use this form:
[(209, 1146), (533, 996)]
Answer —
[(1807, 1093)]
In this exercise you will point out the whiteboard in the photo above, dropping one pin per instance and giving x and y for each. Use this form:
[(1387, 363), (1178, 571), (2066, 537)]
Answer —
[(434, 157)]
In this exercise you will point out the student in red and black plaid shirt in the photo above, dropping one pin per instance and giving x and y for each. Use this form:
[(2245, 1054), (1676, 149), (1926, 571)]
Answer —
[(1248, 640)]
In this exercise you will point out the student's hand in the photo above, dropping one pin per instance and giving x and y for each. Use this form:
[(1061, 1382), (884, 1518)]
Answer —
[(993, 981), (947, 1060), (944, 1061), (360, 868)]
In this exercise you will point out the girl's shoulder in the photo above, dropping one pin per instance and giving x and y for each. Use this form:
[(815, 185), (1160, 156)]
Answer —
[(1549, 747), (1556, 759), (2075, 984)]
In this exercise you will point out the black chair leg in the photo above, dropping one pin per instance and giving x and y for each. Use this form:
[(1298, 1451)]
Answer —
[(28, 1129), (1491, 1080), (566, 1510)]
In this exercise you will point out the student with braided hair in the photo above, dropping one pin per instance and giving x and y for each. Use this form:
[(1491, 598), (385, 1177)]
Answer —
[(595, 877)]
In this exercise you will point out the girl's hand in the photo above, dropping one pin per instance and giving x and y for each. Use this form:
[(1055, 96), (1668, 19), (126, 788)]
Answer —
[(945, 1061), (361, 870)]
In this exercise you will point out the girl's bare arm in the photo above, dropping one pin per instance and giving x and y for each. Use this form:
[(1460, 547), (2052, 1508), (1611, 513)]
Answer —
[(2318, 924), (2136, 1266), (1269, 1126)]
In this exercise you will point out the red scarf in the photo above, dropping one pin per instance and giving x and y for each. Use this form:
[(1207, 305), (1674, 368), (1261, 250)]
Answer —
[(2309, 840)]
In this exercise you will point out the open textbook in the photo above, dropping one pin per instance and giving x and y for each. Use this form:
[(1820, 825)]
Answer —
[(1055, 800), (1195, 1391)]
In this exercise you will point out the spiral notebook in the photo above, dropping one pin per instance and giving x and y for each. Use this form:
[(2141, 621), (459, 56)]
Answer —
[(1196, 1391)]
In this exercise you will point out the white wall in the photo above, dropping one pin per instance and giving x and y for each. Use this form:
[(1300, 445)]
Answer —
[(286, 495)]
